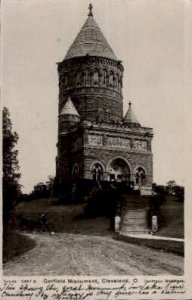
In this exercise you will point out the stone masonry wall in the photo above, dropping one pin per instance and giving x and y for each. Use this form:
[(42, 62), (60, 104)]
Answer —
[(94, 85), (134, 159)]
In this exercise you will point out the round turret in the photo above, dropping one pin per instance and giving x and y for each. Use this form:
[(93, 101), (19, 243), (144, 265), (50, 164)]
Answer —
[(68, 117), (92, 76), (130, 119)]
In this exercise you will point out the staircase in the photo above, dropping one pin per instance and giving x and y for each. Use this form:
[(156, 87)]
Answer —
[(134, 215)]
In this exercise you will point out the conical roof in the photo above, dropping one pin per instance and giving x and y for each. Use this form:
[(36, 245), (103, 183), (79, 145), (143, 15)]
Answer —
[(91, 41), (69, 109), (130, 117)]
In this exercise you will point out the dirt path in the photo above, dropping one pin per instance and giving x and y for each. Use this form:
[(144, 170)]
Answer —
[(77, 254)]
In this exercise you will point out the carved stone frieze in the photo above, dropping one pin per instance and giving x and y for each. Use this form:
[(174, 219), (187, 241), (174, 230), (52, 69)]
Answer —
[(114, 141), (95, 139), (118, 142), (140, 145)]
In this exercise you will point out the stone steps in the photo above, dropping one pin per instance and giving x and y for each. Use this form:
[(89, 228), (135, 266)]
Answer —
[(134, 215), (133, 232)]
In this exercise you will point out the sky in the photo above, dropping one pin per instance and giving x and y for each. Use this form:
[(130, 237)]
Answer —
[(149, 36)]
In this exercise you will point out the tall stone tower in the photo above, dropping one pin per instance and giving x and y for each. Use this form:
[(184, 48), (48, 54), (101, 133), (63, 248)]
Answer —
[(95, 142)]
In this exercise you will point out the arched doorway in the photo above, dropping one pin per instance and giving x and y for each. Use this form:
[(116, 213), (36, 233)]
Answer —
[(118, 170)]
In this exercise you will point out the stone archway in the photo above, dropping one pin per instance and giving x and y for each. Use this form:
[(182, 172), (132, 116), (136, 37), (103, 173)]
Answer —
[(118, 170)]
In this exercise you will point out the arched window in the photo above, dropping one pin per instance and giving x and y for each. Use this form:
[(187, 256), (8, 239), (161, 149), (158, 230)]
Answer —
[(97, 172), (78, 78), (65, 79), (87, 77), (111, 79), (75, 172), (104, 77), (100, 115), (115, 81), (140, 176), (71, 79), (96, 77), (121, 82), (61, 85), (83, 77), (108, 115)]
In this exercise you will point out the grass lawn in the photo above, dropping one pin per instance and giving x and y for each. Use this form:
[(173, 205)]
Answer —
[(61, 218), (172, 213), (16, 244), (162, 245), (171, 225), (68, 219)]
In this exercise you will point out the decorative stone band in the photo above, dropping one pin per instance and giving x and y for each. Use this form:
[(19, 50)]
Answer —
[(100, 140), (90, 71), (90, 91), (118, 142)]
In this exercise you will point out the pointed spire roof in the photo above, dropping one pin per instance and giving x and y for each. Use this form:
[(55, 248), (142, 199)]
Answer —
[(69, 109), (130, 117), (90, 41)]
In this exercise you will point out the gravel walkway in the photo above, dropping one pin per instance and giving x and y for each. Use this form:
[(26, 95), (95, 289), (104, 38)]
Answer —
[(78, 254)]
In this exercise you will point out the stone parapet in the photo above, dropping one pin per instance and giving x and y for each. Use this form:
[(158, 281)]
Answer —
[(118, 127)]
